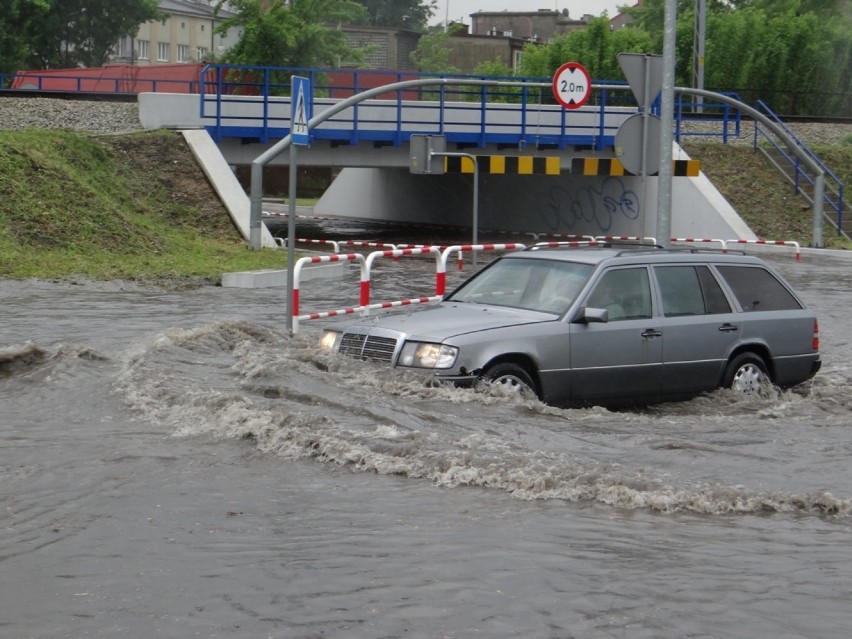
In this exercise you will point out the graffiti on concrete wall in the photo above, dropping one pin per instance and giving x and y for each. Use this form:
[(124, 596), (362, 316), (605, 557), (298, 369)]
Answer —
[(601, 205)]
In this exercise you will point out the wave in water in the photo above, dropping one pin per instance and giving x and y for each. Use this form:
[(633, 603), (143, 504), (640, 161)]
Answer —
[(238, 380), (23, 359)]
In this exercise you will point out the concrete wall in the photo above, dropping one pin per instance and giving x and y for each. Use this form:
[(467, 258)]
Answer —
[(533, 204)]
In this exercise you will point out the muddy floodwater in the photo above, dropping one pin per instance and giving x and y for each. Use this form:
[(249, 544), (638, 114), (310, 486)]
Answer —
[(175, 464)]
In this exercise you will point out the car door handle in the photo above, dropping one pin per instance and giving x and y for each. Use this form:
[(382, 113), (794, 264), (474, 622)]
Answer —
[(728, 328), (651, 332)]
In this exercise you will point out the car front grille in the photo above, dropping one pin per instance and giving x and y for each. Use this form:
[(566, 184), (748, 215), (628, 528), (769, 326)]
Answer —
[(372, 347)]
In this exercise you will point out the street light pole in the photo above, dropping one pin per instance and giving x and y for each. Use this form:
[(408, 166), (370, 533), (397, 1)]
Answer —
[(664, 180)]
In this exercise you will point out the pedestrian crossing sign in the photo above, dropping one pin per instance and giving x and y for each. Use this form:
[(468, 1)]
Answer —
[(302, 106)]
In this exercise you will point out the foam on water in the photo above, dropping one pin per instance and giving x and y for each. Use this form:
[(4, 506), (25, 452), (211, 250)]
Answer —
[(296, 401)]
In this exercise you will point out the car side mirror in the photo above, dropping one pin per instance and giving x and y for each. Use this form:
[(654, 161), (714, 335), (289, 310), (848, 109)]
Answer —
[(588, 315)]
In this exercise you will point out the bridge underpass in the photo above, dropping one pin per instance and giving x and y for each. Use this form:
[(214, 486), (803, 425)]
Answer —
[(370, 142)]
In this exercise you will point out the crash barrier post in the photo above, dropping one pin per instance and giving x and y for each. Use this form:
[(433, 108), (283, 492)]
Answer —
[(795, 245), (441, 277), (320, 259)]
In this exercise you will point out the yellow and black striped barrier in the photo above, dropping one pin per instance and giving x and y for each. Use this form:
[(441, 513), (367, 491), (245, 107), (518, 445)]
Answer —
[(505, 164), (612, 166), (543, 165)]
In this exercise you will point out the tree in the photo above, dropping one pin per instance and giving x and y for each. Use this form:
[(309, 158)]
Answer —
[(432, 54), (798, 62), (17, 18), (402, 14), (290, 34), (794, 54), (595, 47), (84, 32)]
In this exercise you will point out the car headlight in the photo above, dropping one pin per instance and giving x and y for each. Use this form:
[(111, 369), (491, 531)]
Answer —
[(427, 355), (330, 340)]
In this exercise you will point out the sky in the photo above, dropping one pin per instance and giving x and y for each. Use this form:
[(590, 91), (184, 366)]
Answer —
[(461, 9)]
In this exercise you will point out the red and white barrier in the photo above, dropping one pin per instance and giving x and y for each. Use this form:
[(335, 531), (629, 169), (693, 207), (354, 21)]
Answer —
[(321, 259), (557, 237), (571, 244), (396, 254), (303, 240), (625, 238), (695, 240), (791, 243)]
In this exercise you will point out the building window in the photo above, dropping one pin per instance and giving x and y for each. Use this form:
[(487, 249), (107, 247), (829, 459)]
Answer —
[(162, 52), (124, 48), (143, 49), (183, 53), (200, 53)]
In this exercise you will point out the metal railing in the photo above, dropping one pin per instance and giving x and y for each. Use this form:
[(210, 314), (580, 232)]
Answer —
[(105, 83), (687, 110), (253, 102), (802, 180)]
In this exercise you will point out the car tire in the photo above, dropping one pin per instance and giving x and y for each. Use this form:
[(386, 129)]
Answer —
[(747, 374), (511, 377)]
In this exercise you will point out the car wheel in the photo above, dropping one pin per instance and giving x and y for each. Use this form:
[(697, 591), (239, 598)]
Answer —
[(746, 374), (511, 377)]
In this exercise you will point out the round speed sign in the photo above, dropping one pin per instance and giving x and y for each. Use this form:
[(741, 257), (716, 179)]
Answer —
[(572, 85)]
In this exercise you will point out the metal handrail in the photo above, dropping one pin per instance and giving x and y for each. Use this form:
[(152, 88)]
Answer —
[(834, 188)]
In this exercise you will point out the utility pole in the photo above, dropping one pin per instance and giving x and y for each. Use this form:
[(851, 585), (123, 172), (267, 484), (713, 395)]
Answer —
[(698, 50), (664, 180)]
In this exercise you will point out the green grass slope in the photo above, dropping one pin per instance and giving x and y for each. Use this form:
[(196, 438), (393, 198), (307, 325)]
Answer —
[(762, 196), (131, 207)]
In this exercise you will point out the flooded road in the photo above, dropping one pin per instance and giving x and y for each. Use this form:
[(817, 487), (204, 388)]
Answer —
[(173, 464)]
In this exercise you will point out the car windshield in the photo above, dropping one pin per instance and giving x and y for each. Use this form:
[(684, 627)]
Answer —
[(533, 284)]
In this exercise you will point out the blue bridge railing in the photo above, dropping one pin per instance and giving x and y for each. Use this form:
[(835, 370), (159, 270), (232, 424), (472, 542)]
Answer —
[(254, 102)]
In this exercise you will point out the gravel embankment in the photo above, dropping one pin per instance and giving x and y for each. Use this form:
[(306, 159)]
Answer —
[(93, 116), (121, 117)]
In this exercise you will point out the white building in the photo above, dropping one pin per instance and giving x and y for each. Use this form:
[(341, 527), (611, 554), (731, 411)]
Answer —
[(187, 34)]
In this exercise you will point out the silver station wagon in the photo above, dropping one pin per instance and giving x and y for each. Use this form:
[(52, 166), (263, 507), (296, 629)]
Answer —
[(608, 326)]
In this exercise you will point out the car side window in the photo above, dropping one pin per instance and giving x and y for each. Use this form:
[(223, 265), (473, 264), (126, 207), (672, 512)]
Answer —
[(625, 293), (756, 289), (690, 290)]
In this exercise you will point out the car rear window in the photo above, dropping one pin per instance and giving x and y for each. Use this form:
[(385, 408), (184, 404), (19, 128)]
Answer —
[(756, 289)]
